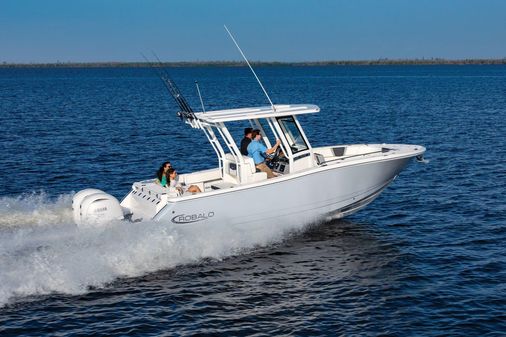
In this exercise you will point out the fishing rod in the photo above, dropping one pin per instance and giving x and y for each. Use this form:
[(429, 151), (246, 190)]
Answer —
[(251, 68), (174, 90), (186, 110)]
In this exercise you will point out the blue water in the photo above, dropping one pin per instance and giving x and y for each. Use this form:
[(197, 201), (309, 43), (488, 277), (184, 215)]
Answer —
[(426, 258)]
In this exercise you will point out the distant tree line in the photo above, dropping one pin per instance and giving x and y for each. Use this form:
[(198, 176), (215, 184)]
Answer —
[(383, 61)]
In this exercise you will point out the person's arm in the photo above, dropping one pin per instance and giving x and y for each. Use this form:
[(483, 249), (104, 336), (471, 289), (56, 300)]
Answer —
[(179, 187), (176, 185), (274, 148)]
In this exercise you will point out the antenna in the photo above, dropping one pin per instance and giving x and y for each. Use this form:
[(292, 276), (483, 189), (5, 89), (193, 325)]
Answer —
[(200, 96), (245, 59)]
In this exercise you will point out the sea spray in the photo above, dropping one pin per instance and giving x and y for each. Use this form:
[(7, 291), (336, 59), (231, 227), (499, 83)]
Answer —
[(42, 251), (35, 208)]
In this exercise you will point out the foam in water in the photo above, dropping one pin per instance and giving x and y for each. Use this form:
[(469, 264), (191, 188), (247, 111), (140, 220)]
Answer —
[(34, 209), (43, 251)]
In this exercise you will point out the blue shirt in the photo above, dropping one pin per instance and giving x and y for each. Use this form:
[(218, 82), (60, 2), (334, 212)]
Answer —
[(256, 150)]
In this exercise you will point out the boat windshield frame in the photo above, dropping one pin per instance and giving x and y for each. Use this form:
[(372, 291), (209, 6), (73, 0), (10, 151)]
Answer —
[(293, 134)]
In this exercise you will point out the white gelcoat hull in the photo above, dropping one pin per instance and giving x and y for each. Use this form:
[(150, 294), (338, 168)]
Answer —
[(324, 193)]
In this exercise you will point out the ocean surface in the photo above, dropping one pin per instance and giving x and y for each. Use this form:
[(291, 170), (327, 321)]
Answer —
[(427, 258)]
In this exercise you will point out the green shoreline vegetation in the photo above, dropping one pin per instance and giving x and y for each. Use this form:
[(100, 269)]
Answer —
[(430, 61)]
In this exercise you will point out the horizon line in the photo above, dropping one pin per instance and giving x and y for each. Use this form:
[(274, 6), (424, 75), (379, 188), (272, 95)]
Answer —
[(380, 61)]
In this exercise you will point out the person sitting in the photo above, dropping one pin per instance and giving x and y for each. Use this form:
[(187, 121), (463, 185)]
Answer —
[(245, 141), (258, 152), (162, 177), (173, 183)]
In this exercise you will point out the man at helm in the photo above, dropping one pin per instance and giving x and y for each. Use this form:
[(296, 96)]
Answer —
[(259, 151)]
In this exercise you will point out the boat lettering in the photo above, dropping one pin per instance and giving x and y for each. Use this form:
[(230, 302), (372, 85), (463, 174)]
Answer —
[(189, 218)]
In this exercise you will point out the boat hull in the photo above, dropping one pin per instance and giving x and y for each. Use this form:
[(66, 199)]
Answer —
[(321, 194)]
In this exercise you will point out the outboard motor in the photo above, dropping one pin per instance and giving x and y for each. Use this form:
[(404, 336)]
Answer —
[(95, 207)]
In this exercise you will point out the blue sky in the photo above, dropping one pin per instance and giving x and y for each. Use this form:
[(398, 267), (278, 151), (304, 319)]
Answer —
[(268, 30)]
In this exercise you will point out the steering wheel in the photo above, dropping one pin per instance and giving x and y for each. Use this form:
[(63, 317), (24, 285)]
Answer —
[(277, 154), (274, 158)]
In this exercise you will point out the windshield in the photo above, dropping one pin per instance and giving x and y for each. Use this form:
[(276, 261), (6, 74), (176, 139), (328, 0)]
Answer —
[(292, 134)]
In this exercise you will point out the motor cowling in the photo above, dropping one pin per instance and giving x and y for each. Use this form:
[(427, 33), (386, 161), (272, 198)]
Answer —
[(95, 207)]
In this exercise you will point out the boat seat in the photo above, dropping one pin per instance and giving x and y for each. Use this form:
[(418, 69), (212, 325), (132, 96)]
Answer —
[(258, 176), (222, 185), (150, 188), (251, 164), (199, 177), (249, 171)]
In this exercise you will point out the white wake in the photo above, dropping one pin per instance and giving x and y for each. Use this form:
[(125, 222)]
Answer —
[(42, 251)]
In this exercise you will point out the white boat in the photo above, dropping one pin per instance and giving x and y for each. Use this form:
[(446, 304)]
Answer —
[(312, 184)]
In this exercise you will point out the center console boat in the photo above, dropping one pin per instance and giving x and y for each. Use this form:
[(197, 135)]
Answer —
[(311, 184)]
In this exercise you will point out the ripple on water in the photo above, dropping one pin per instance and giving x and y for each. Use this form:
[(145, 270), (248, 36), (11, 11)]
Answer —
[(426, 257)]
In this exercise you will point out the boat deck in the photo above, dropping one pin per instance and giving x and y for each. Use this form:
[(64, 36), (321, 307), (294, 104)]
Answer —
[(147, 198), (211, 180)]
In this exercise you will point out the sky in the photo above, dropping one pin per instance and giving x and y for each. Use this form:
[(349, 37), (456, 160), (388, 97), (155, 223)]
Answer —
[(35, 31)]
